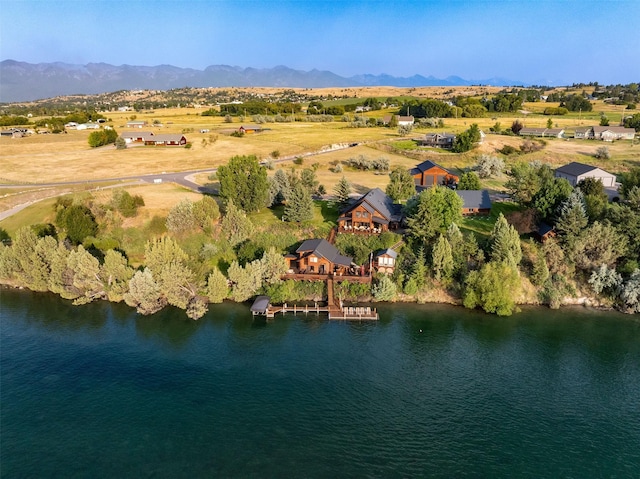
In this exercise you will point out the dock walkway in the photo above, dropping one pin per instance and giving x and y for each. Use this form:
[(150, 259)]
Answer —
[(263, 307)]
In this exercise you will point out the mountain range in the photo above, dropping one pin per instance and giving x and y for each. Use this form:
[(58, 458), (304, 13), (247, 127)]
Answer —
[(21, 81)]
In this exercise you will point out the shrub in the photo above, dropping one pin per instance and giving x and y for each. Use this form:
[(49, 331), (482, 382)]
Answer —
[(469, 181), (531, 146), (126, 204), (602, 153), (361, 162), (508, 150), (384, 289), (404, 130), (102, 137), (121, 144), (489, 166), (555, 111)]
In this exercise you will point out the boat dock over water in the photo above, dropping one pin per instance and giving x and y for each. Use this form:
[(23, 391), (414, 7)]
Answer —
[(262, 307)]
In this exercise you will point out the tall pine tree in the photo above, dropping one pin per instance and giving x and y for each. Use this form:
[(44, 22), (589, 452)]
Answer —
[(342, 191), (299, 207), (505, 242)]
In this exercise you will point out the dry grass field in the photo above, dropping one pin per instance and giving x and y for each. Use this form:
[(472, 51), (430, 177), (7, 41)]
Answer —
[(39, 159)]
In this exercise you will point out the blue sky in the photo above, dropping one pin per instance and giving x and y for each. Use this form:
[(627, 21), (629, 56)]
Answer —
[(536, 41)]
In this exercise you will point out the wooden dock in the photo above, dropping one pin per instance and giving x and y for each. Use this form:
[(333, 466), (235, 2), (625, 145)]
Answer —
[(263, 307)]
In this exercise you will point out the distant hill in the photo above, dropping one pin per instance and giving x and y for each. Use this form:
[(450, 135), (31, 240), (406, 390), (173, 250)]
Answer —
[(20, 81)]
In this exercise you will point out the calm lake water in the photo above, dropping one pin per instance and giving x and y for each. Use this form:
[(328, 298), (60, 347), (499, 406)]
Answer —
[(428, 391)]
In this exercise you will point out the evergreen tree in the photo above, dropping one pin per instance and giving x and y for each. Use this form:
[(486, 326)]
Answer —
[(540, 273), (442, 259), (572, 217), (217, 286), (86, 275), (505, 242), (456, 241), (205, 212), (299, 206), (144, 293), (181, 218), (273, 266), (600, 244), (279, 188), (419, 271), (309, 181), (169, 265), (342, 191), (605, 279), (524, 182), (59, 281), (246, 281), (235, 224), (163, 251), (115, 275), (630, 293), (28, 261)]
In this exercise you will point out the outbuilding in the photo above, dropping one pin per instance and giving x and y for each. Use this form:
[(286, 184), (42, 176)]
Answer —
[(574, 172)]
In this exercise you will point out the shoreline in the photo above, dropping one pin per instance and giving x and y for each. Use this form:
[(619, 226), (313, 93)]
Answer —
[(583, 301)]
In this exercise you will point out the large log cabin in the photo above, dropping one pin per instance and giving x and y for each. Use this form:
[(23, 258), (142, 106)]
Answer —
[(318, 257), (372, 213)]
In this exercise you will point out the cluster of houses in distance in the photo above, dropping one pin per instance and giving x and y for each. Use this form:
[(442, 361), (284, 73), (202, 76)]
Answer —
[(602, 133)]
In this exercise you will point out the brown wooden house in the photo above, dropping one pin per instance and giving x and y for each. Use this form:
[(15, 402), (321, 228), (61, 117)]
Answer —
[(318, 257), (372, 213), (475, 202), (428, 174)]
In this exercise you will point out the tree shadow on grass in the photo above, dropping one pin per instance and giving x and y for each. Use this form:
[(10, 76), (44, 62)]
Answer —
[(329, 211), (360, 189)]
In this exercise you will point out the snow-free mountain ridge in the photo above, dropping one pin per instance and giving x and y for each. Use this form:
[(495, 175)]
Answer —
[(21, 81)]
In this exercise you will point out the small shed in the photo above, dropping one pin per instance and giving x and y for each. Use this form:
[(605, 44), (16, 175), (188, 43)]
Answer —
[(247, 129), (545, 232)]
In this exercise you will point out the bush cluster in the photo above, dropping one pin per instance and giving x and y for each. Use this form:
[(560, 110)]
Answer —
[(361, 162)]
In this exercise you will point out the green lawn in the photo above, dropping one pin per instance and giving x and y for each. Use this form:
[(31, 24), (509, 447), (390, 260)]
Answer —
[(483, 225), (325, 213), (39, 212)]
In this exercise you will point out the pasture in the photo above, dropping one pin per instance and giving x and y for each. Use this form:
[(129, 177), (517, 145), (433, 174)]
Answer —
[(41, 159)]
